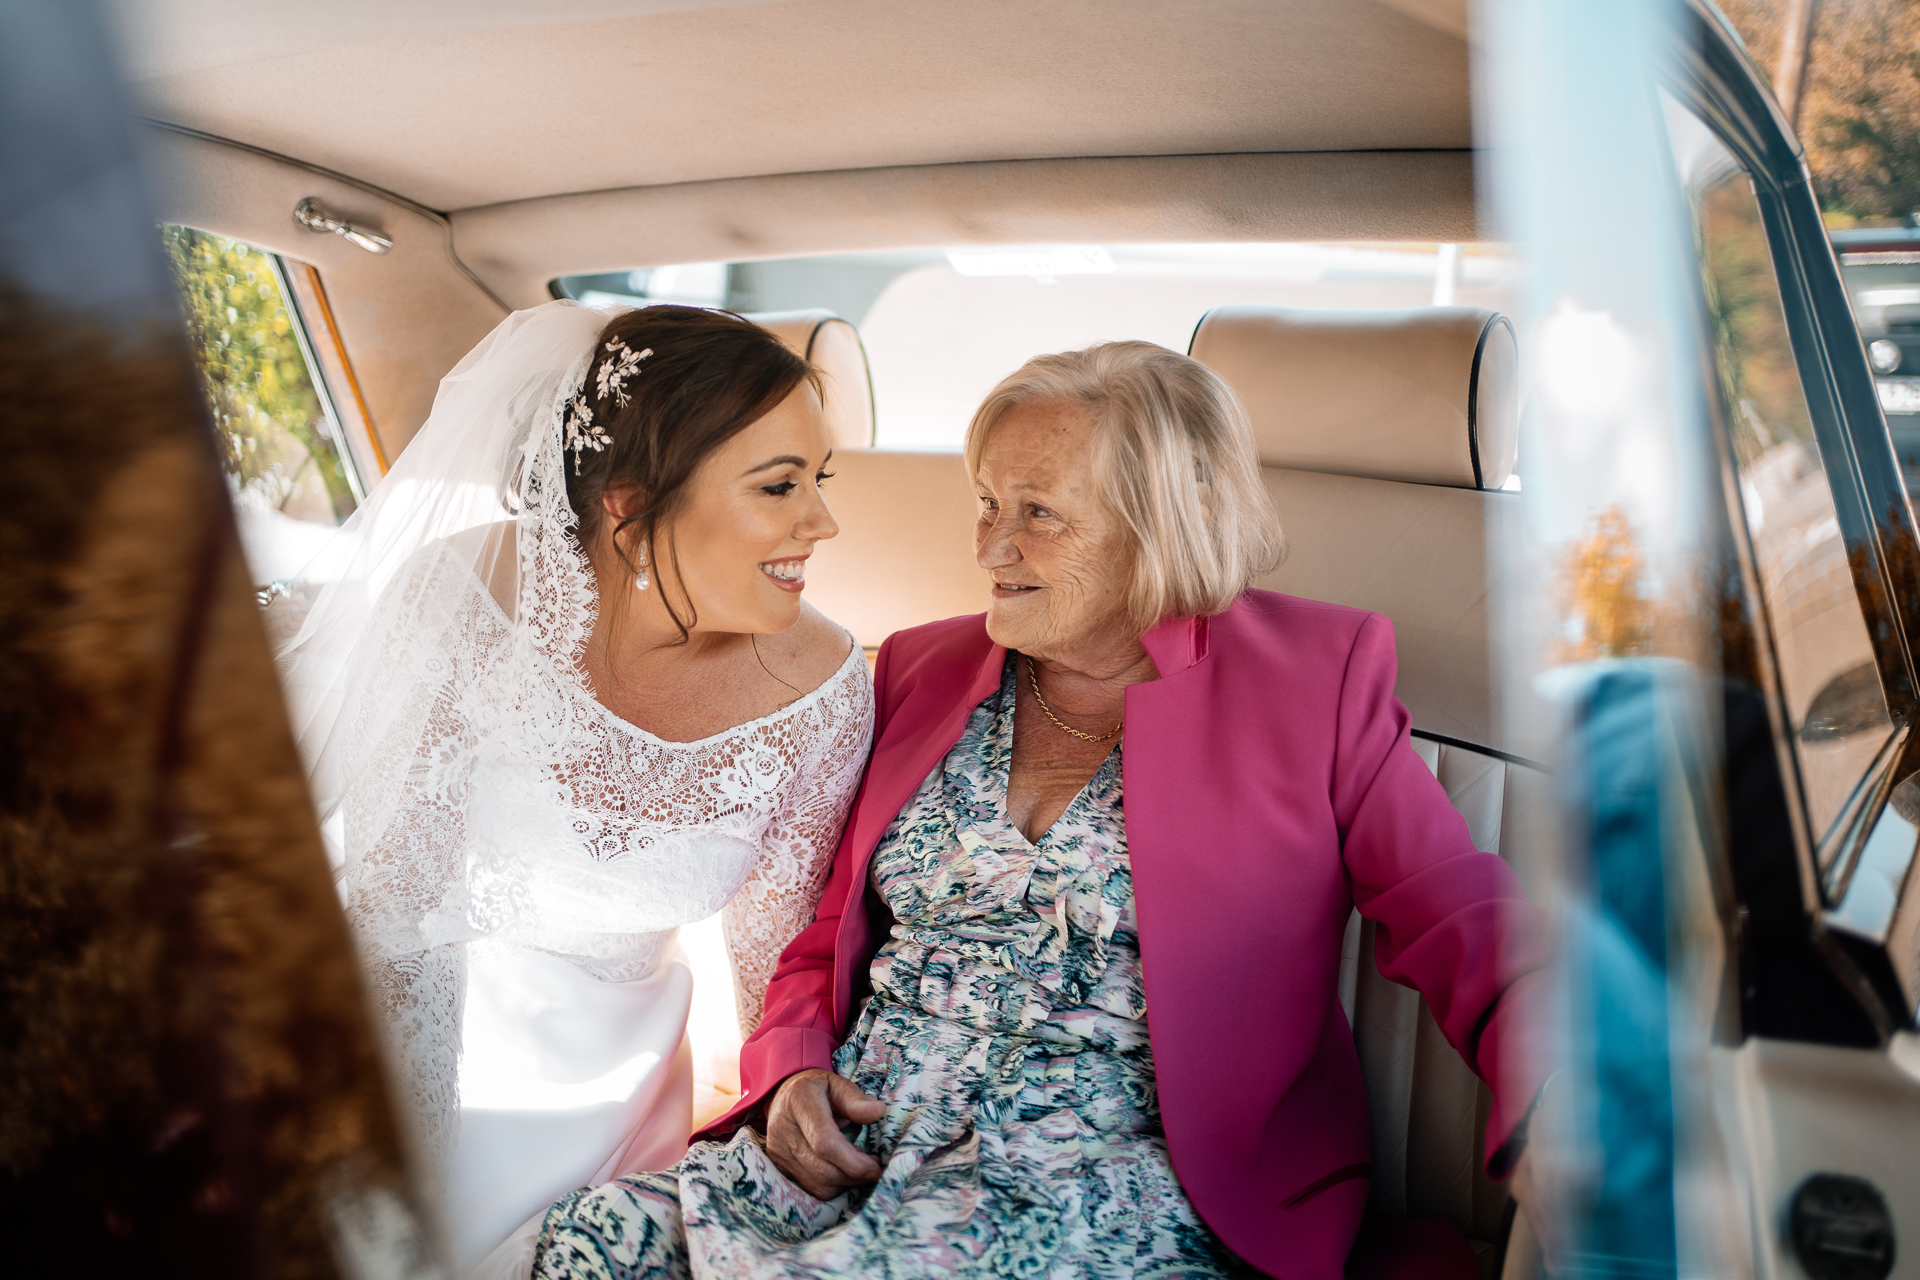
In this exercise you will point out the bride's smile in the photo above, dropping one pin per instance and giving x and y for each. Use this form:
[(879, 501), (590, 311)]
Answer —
[(788, 575)]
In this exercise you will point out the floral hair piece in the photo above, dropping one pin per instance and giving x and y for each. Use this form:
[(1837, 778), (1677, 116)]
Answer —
[(610, 382)]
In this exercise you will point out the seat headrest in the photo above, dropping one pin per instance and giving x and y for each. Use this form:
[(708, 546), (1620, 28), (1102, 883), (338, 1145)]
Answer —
[(1428, 396), (833, 345)]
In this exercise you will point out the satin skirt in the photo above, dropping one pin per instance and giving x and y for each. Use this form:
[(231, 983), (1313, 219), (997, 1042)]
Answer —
[(566, 1081)]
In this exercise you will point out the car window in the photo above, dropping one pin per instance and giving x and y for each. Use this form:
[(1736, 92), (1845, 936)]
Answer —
[(292, 477), (1834, 699), (942, 326)]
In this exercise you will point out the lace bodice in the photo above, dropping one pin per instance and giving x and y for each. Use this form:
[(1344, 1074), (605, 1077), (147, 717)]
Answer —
[(637, 836), (597, 845), (528, 813)]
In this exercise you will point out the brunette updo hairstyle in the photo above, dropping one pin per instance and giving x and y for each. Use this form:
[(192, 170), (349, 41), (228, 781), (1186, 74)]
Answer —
[(711, 375)]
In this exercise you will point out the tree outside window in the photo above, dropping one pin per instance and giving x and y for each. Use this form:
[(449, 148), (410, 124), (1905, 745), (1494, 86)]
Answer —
[(278, 449)]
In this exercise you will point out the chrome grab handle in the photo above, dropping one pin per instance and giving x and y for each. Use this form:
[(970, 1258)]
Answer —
[(309, 214)]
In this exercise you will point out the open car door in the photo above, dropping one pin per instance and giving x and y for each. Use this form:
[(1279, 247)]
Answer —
[(188, 1072)]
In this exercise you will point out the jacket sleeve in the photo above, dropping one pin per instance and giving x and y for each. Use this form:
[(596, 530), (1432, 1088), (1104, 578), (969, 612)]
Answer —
[(1452, 921), (797, 1029)]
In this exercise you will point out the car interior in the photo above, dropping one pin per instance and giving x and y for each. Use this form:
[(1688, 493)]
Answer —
[(901, 178)]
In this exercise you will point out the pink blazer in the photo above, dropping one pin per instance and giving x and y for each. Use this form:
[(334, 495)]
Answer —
[(1270, 787)]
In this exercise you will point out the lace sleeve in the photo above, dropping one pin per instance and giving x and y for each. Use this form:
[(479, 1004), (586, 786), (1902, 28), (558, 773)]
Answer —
[(396, 895), (404, 875), (778, 899)]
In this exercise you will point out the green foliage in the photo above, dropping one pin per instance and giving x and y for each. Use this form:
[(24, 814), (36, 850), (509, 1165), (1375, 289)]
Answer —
[(1860, 109), (274, 440), (1873, 130)]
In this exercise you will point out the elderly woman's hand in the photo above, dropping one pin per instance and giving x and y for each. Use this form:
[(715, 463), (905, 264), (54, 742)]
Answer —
[(803, 1132)]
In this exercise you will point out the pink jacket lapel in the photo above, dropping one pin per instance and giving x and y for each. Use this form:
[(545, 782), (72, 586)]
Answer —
[(919, 725), (913, 735)]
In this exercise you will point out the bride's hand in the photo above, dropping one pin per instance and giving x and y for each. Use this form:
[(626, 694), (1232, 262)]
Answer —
[(803, 1132)]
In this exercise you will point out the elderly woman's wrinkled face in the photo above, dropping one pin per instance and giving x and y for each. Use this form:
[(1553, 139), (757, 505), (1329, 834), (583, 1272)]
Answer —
[(1060, 562)]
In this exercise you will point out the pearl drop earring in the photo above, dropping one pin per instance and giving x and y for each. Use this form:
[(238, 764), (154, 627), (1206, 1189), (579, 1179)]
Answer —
[(640, 579)]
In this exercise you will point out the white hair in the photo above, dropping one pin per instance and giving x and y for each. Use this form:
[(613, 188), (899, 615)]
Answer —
[(1173, 460)]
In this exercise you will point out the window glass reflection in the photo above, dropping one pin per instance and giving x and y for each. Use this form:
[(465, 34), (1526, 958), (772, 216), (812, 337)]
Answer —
[(280, 450), (942, 326), (1832, 687)]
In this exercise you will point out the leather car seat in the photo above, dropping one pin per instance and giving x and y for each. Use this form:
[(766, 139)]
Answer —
[(834, 347), (1384, 438)]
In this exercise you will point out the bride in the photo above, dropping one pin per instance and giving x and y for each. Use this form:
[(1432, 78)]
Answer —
[(558, 696)]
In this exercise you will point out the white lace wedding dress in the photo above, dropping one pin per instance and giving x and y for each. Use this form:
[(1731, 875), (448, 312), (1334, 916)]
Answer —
[(515, 859), (574, 1066)]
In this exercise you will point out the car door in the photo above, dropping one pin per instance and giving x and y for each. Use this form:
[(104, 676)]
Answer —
[(1706, 461), (1828, 991), (191, 1082)]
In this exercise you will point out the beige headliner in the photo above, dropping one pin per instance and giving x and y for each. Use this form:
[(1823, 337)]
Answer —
[(462, 103), (572, 135), (1350, 195)]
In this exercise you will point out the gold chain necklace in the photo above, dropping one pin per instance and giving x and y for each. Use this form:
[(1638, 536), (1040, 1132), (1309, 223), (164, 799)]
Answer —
[(1033, 677)]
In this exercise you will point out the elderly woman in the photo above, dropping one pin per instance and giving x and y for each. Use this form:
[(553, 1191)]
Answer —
[(1074, 974)]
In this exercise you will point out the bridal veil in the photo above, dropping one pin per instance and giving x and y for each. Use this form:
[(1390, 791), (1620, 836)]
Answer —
[(458, 573)]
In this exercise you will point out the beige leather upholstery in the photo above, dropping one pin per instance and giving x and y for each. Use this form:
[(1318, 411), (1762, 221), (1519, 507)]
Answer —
[(1427, 396), (1381, 434), (1410, 552), (833, 345), (904, 555), (1413, 553), (1428, 1110), (1417, 554)]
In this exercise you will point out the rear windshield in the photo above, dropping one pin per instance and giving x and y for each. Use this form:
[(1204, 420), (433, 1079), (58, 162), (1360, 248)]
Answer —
[(942, 326)]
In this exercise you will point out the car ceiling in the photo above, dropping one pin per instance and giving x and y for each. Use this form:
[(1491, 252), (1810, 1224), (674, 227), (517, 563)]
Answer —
[(458, 104)]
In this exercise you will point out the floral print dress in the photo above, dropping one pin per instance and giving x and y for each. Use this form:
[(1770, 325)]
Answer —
[(1006, 1034)]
